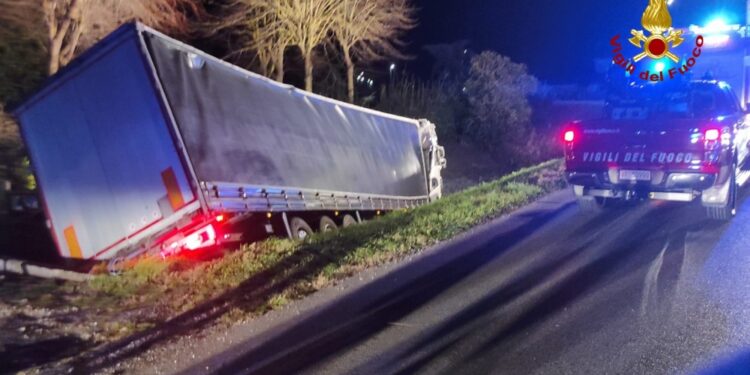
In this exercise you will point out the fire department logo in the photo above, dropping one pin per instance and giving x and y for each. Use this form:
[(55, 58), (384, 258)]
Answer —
[(657, 21), (658, 42)]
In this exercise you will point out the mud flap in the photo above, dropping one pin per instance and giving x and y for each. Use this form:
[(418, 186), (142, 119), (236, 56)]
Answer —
[(578, 190), (716, 196)]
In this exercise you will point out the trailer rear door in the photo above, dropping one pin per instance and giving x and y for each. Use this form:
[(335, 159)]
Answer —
[(103, 155)]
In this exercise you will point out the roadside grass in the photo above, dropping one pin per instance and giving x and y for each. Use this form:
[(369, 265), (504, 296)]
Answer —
[(161, 289), (267, 275)]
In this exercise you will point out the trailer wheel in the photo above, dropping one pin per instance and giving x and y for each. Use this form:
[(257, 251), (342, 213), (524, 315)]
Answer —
[(115, 266), (327, 224), (300, 229), (348, 221)]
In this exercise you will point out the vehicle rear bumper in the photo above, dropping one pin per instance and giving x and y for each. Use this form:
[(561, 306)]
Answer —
[(660, 180), (664, 185)]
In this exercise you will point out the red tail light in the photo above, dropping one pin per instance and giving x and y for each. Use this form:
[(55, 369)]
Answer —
[(204, 237), (569, 136), (712, 134)]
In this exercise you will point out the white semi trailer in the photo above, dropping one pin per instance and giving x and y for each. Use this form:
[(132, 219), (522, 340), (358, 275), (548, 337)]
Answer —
[(146, 144)]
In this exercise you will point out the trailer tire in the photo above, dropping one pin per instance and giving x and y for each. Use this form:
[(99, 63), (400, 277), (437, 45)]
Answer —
[(327, 224), (348, 220), (300, 229), (115, 266)]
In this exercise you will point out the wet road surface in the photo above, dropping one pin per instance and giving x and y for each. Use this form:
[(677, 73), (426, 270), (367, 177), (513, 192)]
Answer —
[(650, 289)]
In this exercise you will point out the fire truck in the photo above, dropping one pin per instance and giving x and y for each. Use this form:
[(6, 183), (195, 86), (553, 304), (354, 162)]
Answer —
[(724, 55)]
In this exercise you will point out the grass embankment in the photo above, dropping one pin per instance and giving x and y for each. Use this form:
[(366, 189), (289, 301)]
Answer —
[(266, 275), (294, 269)]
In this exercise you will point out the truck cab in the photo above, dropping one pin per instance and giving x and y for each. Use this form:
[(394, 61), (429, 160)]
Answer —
[(684, 142), (434, 156)]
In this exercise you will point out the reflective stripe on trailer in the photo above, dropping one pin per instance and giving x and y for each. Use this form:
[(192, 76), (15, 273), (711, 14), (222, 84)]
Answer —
[(72, 240), (173, 189)]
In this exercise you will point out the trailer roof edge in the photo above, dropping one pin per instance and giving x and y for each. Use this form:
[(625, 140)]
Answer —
[(246, 73)]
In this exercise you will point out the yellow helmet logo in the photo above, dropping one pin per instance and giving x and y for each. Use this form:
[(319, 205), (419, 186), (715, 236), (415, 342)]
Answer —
[(656, 20)]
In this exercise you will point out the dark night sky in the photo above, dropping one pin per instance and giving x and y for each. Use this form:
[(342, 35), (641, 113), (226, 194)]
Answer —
[(558, 39)]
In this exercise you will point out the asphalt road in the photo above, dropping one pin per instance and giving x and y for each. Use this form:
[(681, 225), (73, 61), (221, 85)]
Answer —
[(650, 289)]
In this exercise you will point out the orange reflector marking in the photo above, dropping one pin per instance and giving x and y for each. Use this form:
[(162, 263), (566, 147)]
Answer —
[(73, 246), (173, 189)]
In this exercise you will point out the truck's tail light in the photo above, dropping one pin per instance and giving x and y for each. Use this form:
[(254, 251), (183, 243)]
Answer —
[(204, 237), (712, 134), (569, 136)]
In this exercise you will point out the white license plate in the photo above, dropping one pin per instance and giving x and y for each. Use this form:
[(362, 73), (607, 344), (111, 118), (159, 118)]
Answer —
[(627, 175)]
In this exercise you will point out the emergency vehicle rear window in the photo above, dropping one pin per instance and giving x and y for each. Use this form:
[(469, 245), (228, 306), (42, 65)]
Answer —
[(697, 100)]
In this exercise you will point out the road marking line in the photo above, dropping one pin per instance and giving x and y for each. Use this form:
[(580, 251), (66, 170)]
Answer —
[(651, 282)]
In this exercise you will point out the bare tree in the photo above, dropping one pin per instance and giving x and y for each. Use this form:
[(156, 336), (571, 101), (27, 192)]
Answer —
[(68, 26), (306, 24), (270, 44), (365, 30), (256, 27), (371, 30)]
